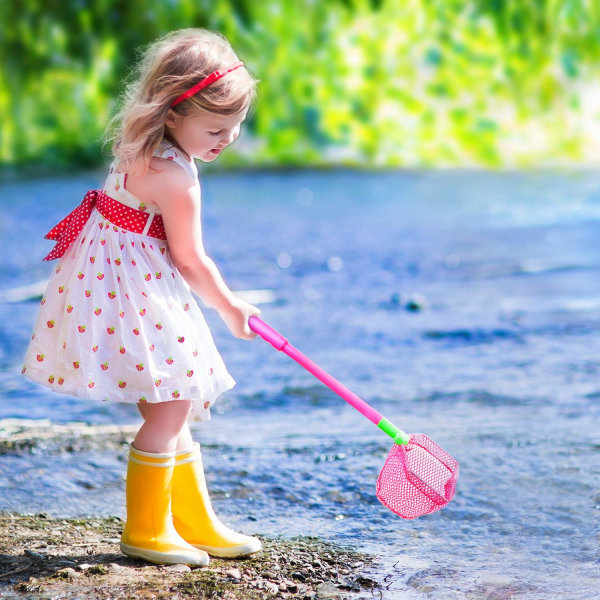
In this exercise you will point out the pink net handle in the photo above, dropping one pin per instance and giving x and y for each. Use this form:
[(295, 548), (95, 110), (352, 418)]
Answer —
[(279, 342)]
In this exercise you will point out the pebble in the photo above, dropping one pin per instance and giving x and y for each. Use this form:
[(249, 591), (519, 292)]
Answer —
[(271, 587), (38, 545), (410, 302), (177, 569), (268, 575), (84, 567), (233, 574), (99, 569), (34, 555), (290, 586), (366, 582), (328, 591), (415, 303), (68, 573), (68, 563)]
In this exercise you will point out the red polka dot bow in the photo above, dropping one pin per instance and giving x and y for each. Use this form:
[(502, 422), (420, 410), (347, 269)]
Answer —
[(69, 228)]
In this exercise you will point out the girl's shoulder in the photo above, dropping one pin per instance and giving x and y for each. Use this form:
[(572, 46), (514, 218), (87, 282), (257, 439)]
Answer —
[(168, 175)]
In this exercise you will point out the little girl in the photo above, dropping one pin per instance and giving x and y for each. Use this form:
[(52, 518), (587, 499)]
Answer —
[(118, 321)]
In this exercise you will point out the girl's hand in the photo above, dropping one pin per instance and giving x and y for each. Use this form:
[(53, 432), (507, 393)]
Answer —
[(236, 317)]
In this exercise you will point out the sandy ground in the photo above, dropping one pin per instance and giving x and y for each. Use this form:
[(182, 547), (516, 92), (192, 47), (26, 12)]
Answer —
[(48, 558)]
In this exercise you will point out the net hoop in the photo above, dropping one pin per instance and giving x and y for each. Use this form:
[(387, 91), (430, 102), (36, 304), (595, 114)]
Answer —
[(417, 478)]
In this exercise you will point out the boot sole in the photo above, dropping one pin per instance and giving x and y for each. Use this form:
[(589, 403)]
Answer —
[(165, 558), (234, 551)]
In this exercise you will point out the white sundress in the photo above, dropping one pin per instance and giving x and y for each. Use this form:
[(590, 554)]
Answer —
[(119, 323)]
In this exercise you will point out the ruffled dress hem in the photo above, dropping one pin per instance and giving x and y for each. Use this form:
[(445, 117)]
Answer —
[(178, 390)]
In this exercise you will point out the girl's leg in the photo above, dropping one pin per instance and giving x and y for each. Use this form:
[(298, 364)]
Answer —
[(184, 439), (163, 424), (149, 532), (193, 514)]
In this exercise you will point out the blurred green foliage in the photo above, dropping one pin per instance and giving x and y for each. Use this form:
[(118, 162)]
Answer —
[(361, 82)]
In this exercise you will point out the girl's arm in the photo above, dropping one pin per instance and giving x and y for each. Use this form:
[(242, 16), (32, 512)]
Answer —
[(179, 202)]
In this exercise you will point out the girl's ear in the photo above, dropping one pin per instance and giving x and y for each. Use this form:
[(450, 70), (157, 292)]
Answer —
[(171, 120)]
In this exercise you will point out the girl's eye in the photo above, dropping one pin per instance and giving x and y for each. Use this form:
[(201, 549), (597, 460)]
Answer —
[(214, 132)]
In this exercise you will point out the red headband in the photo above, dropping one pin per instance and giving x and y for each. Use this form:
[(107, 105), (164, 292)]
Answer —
[(208, 80)]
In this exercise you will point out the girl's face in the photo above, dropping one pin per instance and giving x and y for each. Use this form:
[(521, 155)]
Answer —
[(204, 135)]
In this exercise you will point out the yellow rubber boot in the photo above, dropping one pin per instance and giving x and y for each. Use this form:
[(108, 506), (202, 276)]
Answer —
[(149, 532), (193, 514)]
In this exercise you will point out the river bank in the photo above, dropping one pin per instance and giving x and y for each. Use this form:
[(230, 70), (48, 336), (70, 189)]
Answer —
[(42, 557)]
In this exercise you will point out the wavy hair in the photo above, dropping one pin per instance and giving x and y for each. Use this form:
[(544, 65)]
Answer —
[(169, 67)]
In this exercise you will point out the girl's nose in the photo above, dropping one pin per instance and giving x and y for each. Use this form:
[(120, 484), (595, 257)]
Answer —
[(231, 136)]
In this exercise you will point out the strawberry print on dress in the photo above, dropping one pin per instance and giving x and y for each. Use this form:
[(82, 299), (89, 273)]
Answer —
[(118, 322)]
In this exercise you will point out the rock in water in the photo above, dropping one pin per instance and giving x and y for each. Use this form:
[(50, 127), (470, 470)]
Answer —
[(328, 591)]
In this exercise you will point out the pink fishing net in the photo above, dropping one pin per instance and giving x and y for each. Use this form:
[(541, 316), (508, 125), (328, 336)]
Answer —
[(418, 478)]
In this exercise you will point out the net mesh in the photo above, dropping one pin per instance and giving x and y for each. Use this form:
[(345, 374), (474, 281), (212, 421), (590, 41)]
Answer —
[(418, 478)]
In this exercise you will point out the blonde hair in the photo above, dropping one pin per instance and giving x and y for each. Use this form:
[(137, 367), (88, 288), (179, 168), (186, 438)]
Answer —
[(168, 68)]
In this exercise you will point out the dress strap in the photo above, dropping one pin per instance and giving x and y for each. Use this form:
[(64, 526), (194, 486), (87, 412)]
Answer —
[(168, 151)]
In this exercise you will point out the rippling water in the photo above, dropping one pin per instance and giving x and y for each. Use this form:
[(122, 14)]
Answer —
[(462, 305)]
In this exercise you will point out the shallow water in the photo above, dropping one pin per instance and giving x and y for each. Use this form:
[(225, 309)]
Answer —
[(499, 366)]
